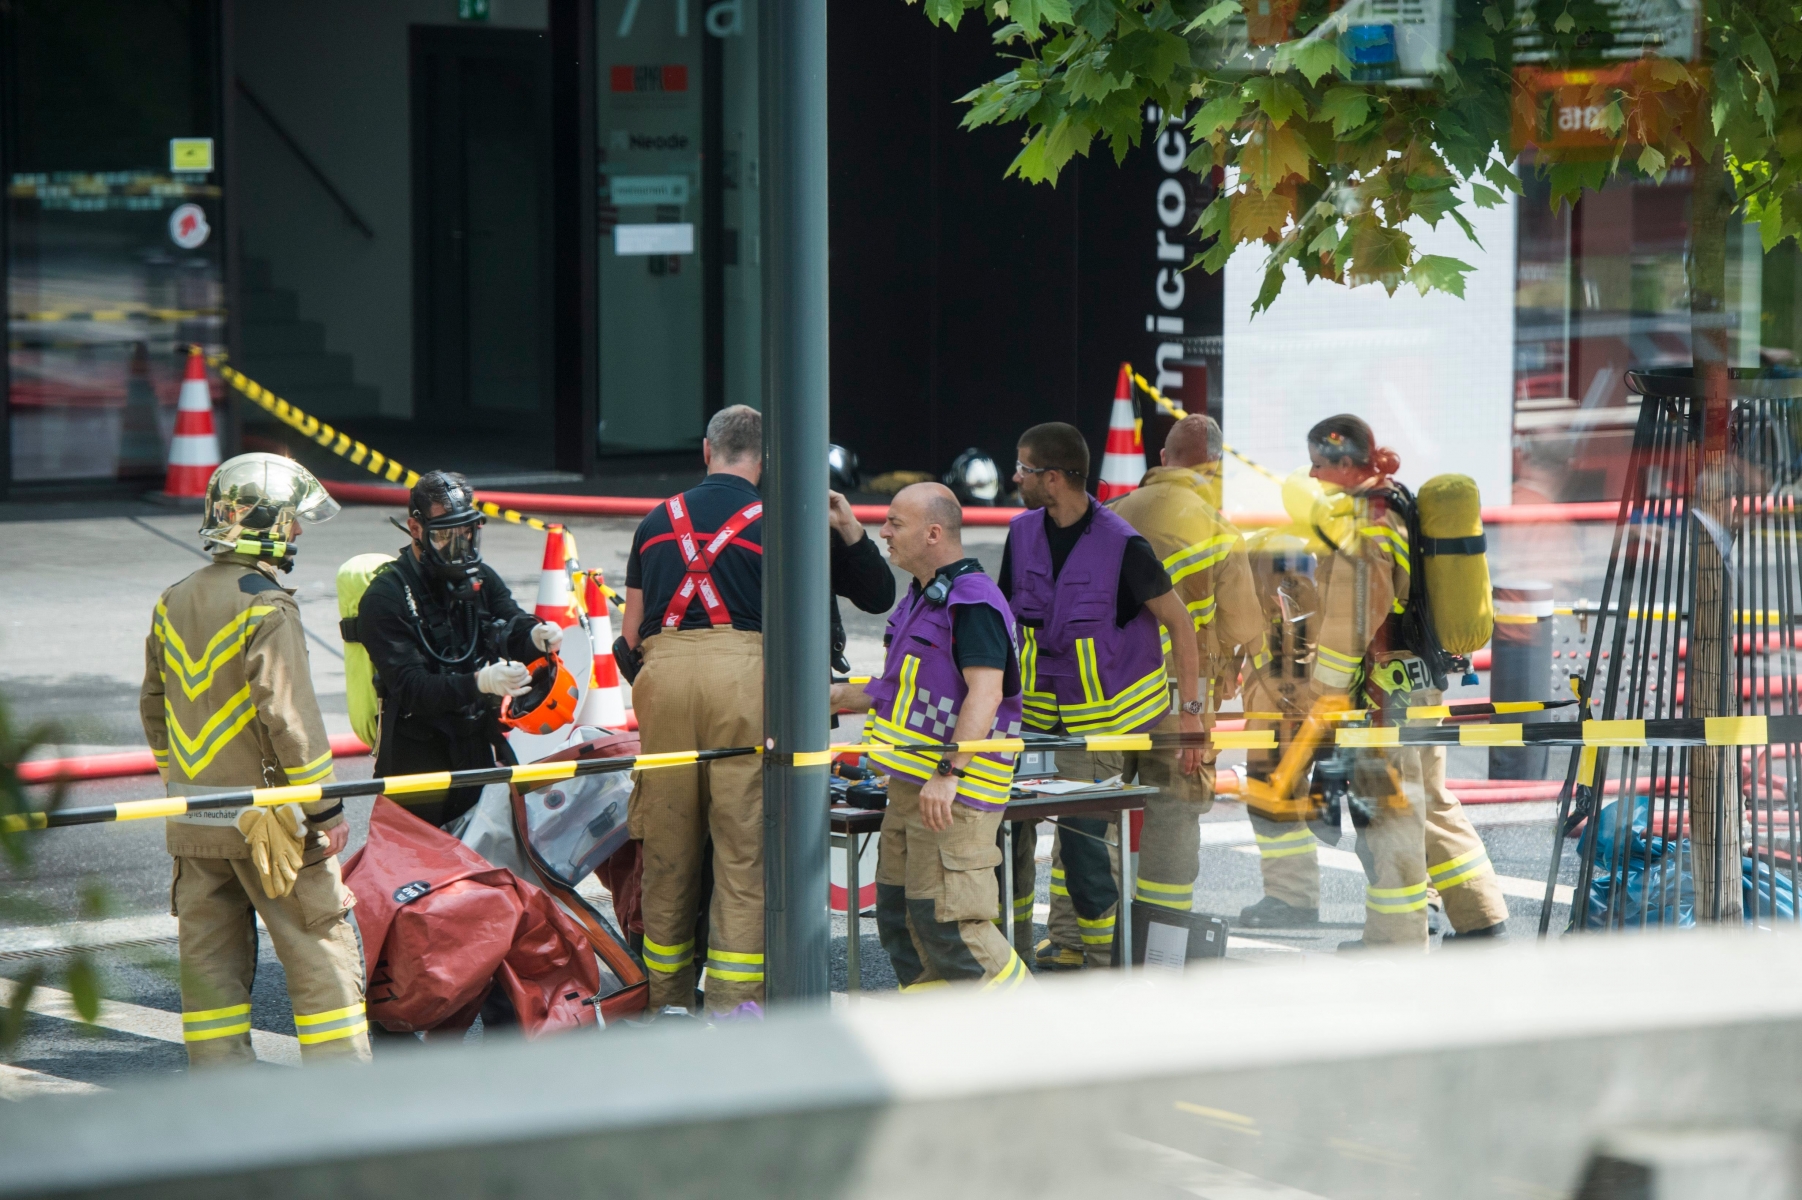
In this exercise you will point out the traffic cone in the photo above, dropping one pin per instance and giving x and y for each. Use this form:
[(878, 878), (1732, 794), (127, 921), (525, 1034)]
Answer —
[(554, 601), (1123, 465), (194, 451), (603, 705)]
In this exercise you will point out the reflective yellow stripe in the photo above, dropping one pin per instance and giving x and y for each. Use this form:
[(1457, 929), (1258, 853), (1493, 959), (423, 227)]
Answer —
[(1090, 672), (310, 774), (207, 1035), (920, 987), (812, 758), (332, 1035), (1008, 977), (733, 955), (904, 691), (1396, 900), (336, 1014), (193, 752), (1202, 610), (195, 675), (1459, 870)]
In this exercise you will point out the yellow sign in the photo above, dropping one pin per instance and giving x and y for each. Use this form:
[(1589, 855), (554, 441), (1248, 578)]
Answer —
[(190, 154)]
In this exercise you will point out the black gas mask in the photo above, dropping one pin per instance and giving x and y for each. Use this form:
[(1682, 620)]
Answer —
[(450, 545)]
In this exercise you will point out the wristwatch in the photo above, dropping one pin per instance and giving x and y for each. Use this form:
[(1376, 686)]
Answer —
[(945, 768), (1194, 708)]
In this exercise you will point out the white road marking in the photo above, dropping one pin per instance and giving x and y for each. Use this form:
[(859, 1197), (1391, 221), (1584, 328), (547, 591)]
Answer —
[(1235, 942), (86, 933), (1202, 1176), (136, 1019), (1511, 885), (22, 1083)]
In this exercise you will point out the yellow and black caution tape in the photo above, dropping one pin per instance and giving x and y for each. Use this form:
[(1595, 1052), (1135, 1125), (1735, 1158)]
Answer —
[(1420, 712), (53, 315), (393, 786), (356, 453), (1698, 731), (1178, 411)]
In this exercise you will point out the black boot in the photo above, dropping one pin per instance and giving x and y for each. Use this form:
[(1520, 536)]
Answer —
[(1271, 913)]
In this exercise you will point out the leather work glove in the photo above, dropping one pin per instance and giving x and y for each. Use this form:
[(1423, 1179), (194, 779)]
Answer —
[(503, 679), (278, 842), (547, 636)]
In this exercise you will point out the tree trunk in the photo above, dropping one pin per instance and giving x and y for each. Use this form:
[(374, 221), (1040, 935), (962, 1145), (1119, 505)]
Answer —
[(1715, 800)]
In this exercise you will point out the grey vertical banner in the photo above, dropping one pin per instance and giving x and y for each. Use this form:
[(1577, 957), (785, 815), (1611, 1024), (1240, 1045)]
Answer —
[(792, 50)]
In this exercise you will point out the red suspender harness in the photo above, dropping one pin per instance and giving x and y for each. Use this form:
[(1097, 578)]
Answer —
[(700, 559)]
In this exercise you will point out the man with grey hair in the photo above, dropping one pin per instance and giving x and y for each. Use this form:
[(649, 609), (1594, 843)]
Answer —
[(694, 614)]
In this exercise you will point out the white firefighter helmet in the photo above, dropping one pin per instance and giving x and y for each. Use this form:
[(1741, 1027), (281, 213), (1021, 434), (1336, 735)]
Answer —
[(253, 502)]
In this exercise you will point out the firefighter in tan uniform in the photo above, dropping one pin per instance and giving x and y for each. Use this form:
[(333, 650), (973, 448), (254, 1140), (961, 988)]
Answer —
[(1413, 835), (694, 620), (1175, 508), (227, 703)]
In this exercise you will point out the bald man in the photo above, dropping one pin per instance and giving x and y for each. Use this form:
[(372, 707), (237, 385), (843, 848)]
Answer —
[(951, 675)]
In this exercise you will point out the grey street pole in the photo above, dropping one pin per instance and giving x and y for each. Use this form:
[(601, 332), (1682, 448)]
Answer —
[(796, 640)]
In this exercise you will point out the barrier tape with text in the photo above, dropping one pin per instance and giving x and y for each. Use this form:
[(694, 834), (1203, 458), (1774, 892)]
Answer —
[(1709, 731)]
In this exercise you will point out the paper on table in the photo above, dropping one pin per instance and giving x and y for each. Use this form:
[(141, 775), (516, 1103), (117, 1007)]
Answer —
[(1166, 946), (1065, 787)]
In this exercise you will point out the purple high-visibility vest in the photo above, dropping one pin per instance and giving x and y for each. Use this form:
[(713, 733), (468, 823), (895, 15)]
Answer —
[(1080, 672), (921, 692)]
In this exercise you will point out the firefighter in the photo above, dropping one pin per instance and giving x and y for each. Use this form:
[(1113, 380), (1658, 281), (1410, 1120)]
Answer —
[(448, 643), (950, 674), (694, 621), (1369, 658), (1088, 595), (1205, 559), (227, 703)]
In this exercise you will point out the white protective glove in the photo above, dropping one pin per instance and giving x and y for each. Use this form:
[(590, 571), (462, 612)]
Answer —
[(547, 636), (503, 679)]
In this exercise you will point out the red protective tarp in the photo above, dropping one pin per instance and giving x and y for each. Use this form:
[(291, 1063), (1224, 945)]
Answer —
[(439, 924)]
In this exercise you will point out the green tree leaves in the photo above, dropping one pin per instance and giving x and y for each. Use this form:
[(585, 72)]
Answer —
[(1328, 171)]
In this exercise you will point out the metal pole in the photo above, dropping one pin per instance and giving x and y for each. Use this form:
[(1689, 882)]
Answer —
[(792, 109)]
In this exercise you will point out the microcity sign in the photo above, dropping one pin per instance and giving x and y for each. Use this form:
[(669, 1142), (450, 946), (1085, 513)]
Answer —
[(1171, 253)]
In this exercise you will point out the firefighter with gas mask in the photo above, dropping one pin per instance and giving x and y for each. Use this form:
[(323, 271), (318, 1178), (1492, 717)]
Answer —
[(448, 644), (227, 703), (1374, 651)]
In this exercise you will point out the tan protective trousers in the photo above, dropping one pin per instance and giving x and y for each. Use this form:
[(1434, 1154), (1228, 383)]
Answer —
[(701, 689), (216, 902), (1457, 865), (1169, 843), (937, 899)]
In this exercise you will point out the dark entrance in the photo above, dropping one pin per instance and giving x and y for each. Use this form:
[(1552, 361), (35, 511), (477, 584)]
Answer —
[(482, 243)]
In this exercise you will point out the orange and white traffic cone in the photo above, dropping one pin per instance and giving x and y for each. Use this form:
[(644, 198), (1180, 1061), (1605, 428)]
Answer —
[(1123, 465), (555, 604), (603, 705), (194, 452)]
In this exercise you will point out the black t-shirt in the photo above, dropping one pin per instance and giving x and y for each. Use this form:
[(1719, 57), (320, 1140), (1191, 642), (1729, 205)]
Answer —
[(978, 632), (1142, 576), (657, 569)]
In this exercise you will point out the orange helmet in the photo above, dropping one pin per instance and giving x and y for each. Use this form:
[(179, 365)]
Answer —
[(548, 704)]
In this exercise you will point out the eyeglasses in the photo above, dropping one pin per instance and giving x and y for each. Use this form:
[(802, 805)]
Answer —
[(1022, 469)]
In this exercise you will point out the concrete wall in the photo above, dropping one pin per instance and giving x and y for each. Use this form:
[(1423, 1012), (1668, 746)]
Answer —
[(335, 73), (1487, 1072)]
